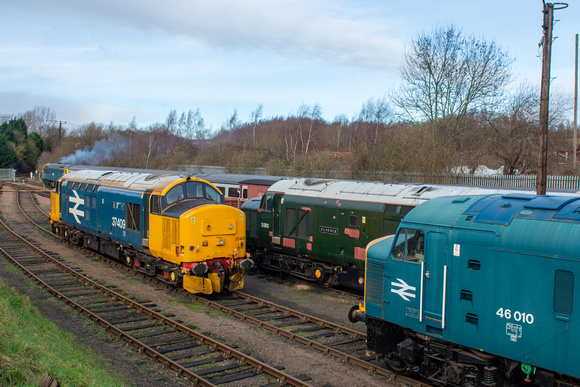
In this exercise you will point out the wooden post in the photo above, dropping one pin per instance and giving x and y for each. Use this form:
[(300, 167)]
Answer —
[(545, 98)]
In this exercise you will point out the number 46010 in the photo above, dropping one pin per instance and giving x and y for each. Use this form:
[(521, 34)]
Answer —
[(518, 316)]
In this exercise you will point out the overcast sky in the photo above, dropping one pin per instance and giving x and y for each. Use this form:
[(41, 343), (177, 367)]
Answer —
[(109, 61)]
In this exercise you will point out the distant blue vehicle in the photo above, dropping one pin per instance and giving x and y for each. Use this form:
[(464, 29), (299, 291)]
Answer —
[(51, 172), (478, 290)]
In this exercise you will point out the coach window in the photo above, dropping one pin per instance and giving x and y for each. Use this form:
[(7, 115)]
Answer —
[(233, 193), (409, 245)]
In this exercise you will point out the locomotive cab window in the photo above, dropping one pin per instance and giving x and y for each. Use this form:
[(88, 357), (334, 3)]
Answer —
[(191, 190), (174, 195), (154, 205), (409, 245), (214, 195), (194, 190), (266, 204)]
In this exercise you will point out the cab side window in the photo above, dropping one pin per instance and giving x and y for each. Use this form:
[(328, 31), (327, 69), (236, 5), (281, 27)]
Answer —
[(409, 245), (266, 204), (154, 207)]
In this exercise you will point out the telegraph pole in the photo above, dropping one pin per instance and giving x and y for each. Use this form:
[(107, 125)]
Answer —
[(545, 94), (59, 129)]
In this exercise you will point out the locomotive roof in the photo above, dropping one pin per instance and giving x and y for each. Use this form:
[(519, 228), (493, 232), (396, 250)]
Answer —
[(128, 180), (496, 209), (529, 224), (231, 178), (401, 193)]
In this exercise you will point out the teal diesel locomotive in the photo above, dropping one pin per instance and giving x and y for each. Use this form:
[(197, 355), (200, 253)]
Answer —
[(479, 290)]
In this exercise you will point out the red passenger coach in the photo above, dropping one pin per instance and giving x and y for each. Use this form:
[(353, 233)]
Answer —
[(238, 188)]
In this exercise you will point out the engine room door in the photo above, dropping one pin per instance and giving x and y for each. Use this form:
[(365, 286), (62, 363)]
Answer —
[(434, 279)]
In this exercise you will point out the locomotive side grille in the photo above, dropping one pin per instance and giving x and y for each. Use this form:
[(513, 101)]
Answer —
[(170, 233), (374, 291)]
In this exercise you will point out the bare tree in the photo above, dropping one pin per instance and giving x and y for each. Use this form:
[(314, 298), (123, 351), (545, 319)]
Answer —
[(182, 125), (314, 116), (199, 126), (340, 121), (446, 76), (132, 125), (42, 120), (171, 121), (39, 120), (256, 117), (514, 130)]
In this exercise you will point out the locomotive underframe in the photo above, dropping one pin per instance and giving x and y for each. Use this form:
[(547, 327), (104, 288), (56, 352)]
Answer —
[(405, 351), (303, 267), (167, 272)]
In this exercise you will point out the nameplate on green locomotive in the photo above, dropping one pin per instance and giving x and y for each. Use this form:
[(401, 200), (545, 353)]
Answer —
[(329, 230)]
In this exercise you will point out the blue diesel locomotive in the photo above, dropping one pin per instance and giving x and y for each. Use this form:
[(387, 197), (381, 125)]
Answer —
[(478, 290), (177, 228)]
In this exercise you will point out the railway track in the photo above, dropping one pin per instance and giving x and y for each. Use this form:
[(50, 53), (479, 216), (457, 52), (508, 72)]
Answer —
[(329, 338), (199, 358)]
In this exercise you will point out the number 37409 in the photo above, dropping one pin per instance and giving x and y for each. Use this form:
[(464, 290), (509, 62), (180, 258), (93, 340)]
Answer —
[(508, 314)]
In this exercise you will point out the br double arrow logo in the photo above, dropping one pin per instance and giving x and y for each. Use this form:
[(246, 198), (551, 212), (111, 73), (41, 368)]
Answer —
[(75, 210), (403, 289)]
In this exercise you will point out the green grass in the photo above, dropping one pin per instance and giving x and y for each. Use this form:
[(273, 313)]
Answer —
[(31, 345)]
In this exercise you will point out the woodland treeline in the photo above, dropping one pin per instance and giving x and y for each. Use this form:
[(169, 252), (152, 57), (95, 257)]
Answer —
[(457, 107)]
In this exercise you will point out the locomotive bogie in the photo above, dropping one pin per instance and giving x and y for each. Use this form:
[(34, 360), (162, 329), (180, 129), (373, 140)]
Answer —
[(478, 290)]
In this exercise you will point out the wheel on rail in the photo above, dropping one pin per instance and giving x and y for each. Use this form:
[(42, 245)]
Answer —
[(397, 366)]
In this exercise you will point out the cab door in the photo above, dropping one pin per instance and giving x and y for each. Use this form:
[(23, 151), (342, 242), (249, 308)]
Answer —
[(435, 279), (402, 302), (277, 202)]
